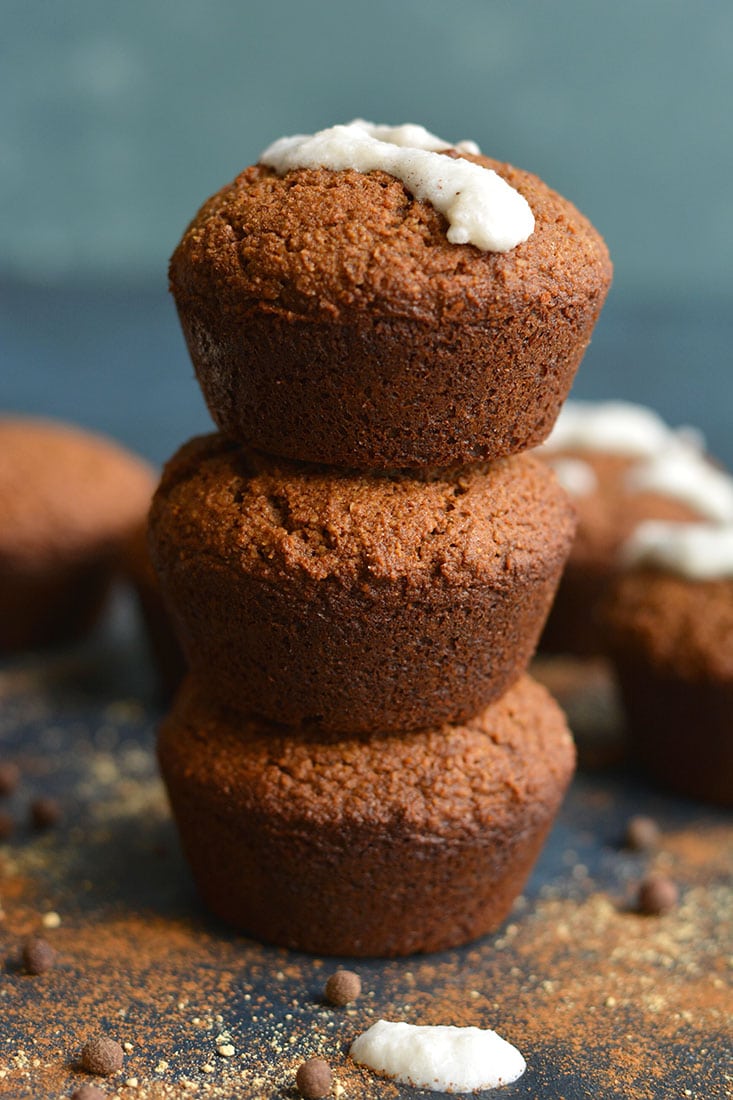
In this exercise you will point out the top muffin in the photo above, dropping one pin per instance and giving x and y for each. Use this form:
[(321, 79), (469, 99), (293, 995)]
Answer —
[(330, 319)]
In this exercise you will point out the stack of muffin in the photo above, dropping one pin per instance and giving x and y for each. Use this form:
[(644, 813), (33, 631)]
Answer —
[(360, 564)]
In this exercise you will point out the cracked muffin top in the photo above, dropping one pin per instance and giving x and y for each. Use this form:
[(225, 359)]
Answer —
[(287, 520), (512, 758)]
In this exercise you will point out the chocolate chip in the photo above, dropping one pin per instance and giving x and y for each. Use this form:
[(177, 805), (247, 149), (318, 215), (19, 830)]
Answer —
[(657, 894), (38, 956), (642, 834), (313, 1079), (7, 825), (45, 813), (343, 987), (102, 1056), (88, 1092), (9, 778)]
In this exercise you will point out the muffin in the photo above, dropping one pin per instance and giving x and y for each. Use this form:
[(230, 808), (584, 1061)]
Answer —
[(330, 319), (68, 503), (354, 601), (365, 845), (670, 623), (165, 650), (616, 459)]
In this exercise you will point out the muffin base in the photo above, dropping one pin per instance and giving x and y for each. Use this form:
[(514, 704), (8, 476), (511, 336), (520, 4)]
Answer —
[(680, 730), (365, 845), (58, 604), (386, 392)]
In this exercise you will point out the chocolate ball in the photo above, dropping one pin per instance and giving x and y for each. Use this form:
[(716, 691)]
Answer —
[(313, 1079), (343, 987), (9, 778), (38, 955), (102, 1056), (657, 895), (7, 825), (642, 834), (44, 813), (88, 1092)]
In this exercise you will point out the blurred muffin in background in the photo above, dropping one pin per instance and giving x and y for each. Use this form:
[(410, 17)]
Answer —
[(69, 501), (670, 635), (622, 465)]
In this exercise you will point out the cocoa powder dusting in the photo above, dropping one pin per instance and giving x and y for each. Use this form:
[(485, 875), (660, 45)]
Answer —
[(602, 1001)]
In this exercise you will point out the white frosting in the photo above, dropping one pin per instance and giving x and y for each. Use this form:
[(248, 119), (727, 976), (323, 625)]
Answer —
[(616, 427), (698, 551), (481, 208), (576, 476), (443, 1059), (680, 471), (670, 462)]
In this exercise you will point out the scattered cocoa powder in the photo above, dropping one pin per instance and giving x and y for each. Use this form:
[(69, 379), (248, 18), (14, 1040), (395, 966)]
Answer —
[(603, 1002)]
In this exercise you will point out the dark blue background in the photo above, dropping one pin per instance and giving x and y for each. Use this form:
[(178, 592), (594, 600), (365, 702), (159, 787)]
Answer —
[(116, 121), (114, 359)]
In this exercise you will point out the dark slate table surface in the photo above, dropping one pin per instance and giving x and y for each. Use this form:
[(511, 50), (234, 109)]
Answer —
[(602, 1001)]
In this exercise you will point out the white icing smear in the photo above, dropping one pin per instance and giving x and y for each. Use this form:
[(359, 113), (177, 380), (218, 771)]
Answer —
[(443, 1059), (481, 208), (412, 136), (576, 477), (697, 551), (681, 472), (616, 427)]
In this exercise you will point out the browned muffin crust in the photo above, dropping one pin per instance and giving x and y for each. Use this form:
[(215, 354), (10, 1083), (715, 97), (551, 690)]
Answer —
[(607, 516), (356, 601), (329, 319), (370, 845), (671, 640), (68, 502)]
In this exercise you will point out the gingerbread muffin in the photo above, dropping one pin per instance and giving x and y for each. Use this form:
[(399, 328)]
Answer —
[(165, 650), (365, 845), (68, 503), (670, 623), (330, 318), (609, 456), (392, 601)]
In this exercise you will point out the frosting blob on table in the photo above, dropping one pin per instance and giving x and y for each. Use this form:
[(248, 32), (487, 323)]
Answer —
[(442, 1059)]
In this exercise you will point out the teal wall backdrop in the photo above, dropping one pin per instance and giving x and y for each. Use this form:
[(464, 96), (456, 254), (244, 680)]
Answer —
[(118, 119)]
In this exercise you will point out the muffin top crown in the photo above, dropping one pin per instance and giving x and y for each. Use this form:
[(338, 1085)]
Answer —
[(325, 244)]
